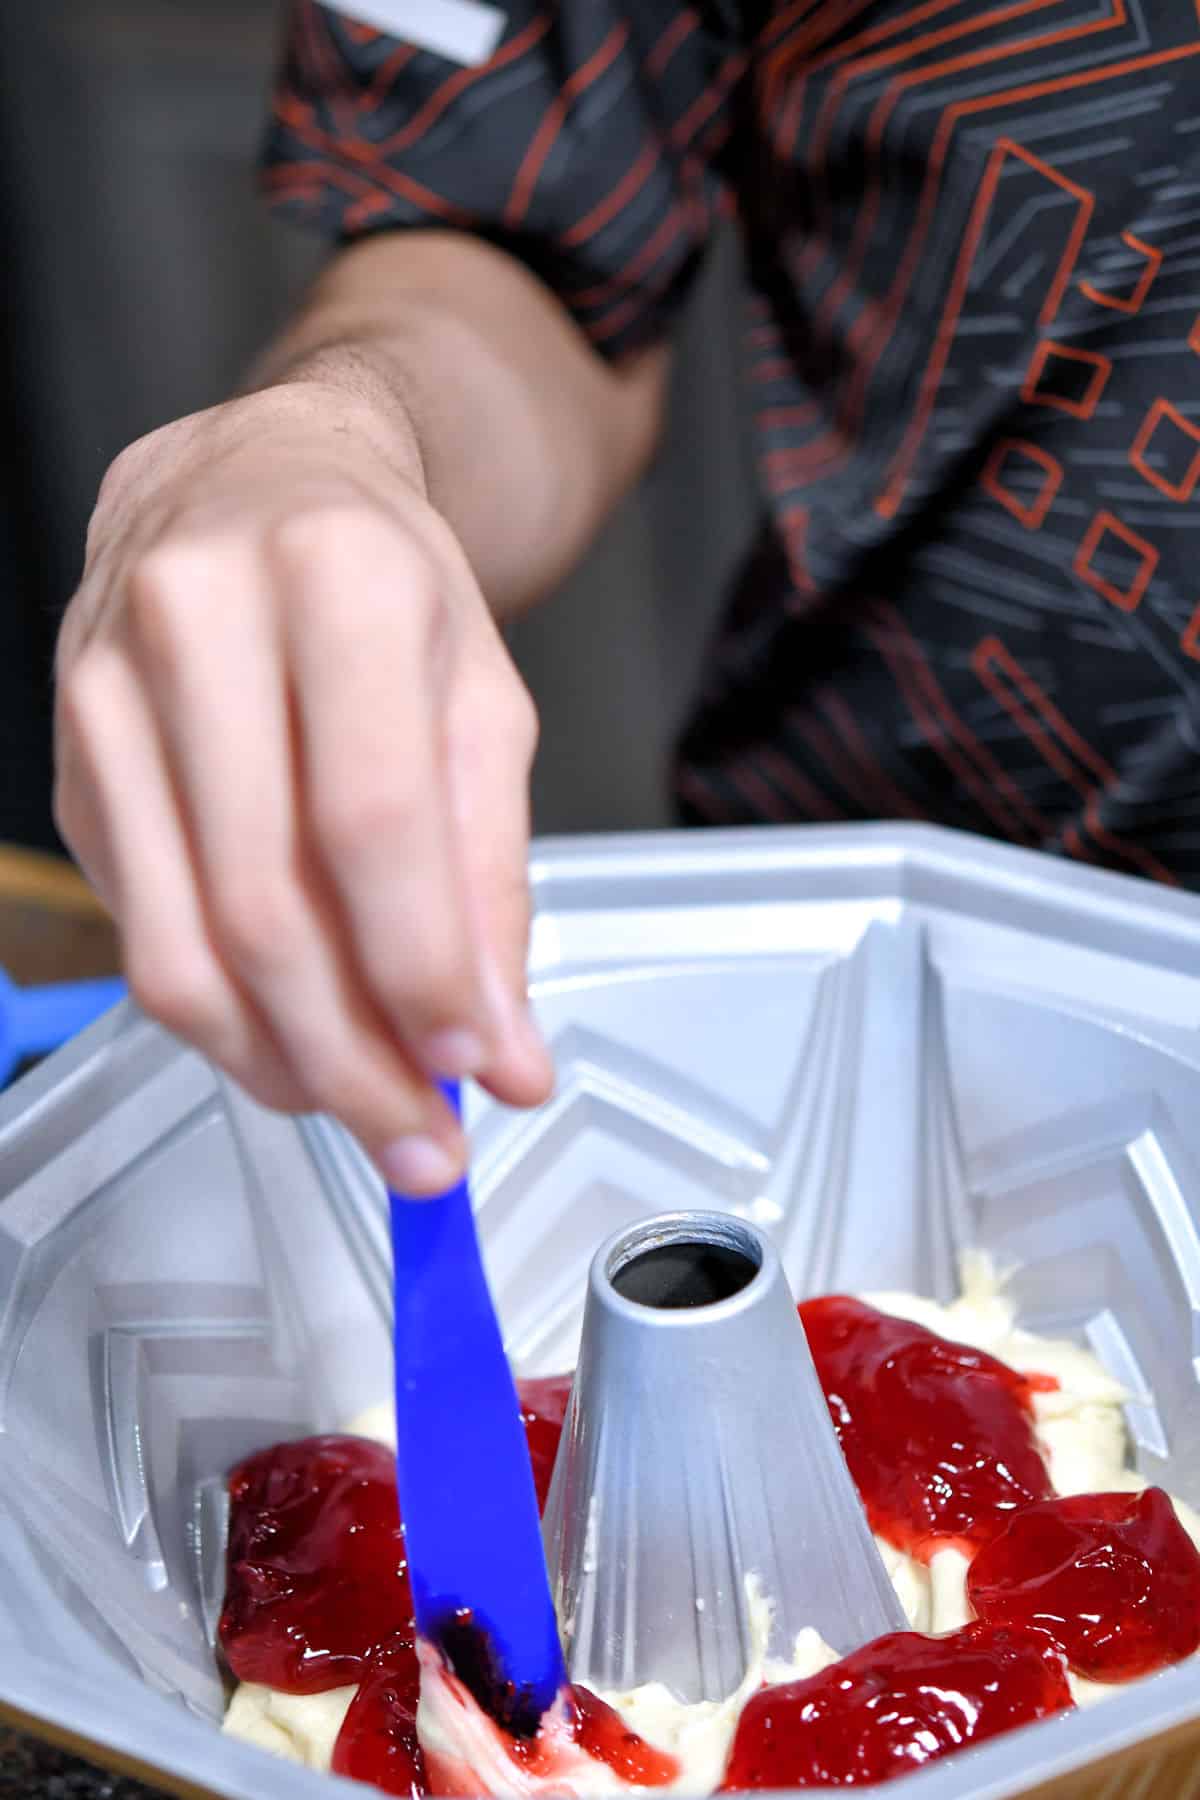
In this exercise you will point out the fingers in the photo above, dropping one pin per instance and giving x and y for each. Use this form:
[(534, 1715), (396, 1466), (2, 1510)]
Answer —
[(370, 649), (493, 734), (116, 810), (206, 643)]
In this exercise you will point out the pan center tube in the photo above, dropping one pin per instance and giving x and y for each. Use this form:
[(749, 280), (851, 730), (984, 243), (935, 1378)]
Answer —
[(693, 1265)]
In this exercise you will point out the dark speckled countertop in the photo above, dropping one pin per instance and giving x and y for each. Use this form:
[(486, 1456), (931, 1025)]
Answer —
[(33, 1771)]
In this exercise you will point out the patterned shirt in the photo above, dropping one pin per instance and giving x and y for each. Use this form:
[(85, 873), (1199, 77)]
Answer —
[(972, 237)]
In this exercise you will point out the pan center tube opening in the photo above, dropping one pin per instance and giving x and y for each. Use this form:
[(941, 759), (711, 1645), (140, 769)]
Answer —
[(684, 1264)]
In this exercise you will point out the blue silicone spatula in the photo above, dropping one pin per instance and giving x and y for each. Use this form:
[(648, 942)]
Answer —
[(476, 1564)]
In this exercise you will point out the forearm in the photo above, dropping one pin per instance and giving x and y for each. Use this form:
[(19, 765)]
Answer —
[(524, 437)]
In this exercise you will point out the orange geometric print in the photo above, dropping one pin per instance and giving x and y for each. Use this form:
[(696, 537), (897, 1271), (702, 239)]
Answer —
[(1179, 490), (1045, 356), (1105, 524), (1061, 746), (970, 235), (1131, 302), (1030, 513), (1190, 640)]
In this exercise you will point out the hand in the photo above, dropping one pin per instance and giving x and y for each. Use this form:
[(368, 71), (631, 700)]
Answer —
[(293, 758)]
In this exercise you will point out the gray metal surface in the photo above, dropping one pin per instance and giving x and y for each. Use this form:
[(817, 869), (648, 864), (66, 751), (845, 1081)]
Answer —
[(698, 1448), (879, 1045)]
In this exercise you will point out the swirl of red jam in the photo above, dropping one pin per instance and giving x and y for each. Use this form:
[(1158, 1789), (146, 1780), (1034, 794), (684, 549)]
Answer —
[(598, 1729), (938, 1436), (317, 1582), (1112, 1579), (893, 1705), (378, 1739), (603, 1733), (316, 1592), (543, 1401)]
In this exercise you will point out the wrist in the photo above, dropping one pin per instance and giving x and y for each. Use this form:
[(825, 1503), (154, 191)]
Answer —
[(349, 384), (352, 411)]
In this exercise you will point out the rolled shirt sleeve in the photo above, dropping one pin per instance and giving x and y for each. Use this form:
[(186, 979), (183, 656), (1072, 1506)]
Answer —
[(594, 144)]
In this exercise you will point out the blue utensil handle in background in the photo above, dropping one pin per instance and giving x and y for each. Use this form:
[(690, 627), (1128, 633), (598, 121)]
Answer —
[(46, 1017), (476, 1562), (36, 1020)]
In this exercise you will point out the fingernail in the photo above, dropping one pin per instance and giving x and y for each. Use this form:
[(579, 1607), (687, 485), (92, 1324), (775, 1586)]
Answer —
[(418, 1166), (453, 1053)]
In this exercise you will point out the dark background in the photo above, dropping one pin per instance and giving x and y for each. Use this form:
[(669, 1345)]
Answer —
[(141, 272)]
